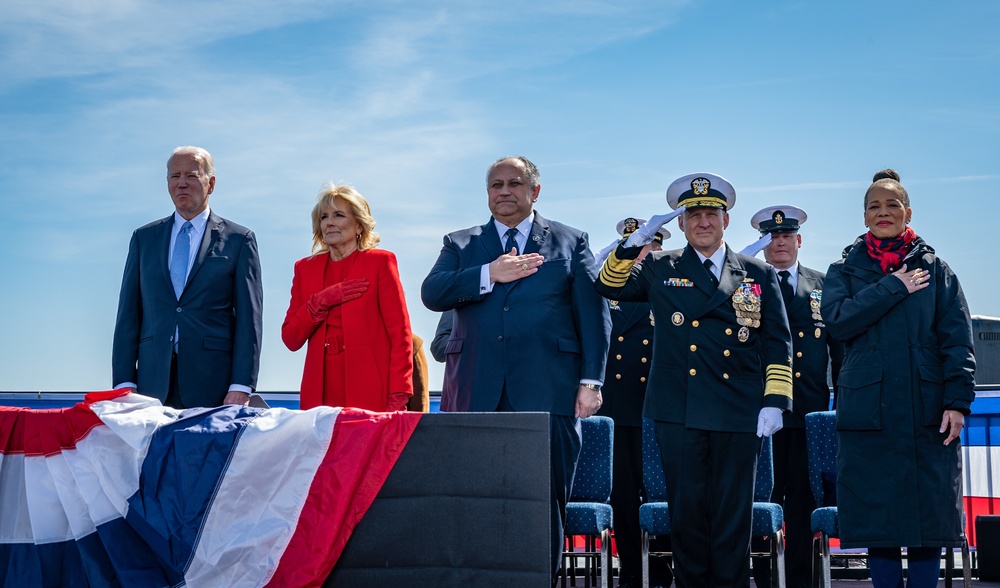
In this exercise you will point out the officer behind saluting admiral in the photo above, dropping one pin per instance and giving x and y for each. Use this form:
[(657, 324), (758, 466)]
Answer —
[(625, 390), (721, 373), (813, 351)]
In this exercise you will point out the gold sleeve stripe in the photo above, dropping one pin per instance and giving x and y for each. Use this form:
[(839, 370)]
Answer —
[(778, 380), (614, 272)]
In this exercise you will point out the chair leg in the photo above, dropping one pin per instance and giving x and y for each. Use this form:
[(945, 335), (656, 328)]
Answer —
[(966, 564), (824, 551), (606, 559), (778, 559), (949, 566), (645, 559)]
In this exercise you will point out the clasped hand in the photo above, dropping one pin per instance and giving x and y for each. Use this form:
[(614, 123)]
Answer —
[(918, 279), (511, 266), (338, 293)]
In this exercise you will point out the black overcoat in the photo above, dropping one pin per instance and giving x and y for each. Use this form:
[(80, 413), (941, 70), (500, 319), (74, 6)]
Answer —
[(907, 359)]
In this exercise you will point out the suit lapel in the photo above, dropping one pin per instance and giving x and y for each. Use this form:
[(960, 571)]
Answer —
[(489, 239), (803, 288), (690, 266), (163, 236), (731, 277), (213, 230), (539, 234)]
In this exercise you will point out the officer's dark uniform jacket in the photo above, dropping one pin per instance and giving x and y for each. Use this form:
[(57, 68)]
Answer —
[(812, 349), (709, 371), (907, 359), (628, 362)]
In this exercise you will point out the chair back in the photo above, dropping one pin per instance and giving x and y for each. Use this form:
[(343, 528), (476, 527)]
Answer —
[(652, 466), (592, 482), (821, 438), (764, 484)]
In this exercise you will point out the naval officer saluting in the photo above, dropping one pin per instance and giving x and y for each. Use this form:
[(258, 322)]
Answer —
[(721, 374), (813, 350)]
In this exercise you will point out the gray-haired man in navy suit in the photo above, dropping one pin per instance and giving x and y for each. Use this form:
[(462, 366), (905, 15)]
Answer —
[(189, 312), (530, 332)]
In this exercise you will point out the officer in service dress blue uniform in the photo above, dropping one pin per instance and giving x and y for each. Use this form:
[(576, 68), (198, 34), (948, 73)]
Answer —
[(813, 352), (624, 392), (721, 374)]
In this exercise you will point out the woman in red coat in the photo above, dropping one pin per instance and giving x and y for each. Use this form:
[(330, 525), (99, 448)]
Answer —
[(347, 302)]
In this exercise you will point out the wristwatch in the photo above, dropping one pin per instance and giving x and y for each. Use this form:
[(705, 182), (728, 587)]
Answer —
[(594, 387)]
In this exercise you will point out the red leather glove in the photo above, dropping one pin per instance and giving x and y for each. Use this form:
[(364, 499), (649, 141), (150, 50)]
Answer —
[(321, 302), (397, 401)]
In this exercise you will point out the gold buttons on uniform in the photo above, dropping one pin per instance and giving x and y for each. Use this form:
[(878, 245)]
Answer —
[(798, 354), (645, 341), (726, 353), (729, 331), (694, 348), (801, 334), (618, 376), (798, 374), (725, 376), (695, 323), (619, 356), (642, 379), (644, 360), (621, 338), (693, 372)]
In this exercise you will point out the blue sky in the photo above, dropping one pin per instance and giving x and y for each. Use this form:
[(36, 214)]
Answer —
[(794, 102)]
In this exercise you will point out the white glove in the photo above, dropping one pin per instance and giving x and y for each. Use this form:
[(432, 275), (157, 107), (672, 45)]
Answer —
[(604, 253), (645, 233), (768, 421), (757, 246)]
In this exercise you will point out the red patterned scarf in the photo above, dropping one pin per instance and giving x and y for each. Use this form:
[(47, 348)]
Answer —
[(889, 253)]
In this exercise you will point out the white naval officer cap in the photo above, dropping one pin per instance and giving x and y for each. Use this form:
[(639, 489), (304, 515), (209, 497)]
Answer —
[(701, 190), (783, 218), (627, 226)]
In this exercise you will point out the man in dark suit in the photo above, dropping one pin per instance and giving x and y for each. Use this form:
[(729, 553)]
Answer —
[(624, 393), (814, 351), (442, 333), (189, 312), (529, 332), (721, 374)]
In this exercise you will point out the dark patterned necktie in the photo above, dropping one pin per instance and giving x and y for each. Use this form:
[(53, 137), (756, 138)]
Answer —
[(786, 286), (711, 274), (511, 241)]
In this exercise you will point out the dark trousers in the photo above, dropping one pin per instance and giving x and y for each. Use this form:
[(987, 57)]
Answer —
[(793, 493), (923, 566), (173, 390), (566, 441), (710, 477), (627, 494)]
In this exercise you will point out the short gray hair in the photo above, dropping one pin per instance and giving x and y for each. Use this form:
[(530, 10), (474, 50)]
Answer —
[(202, 156), (530, 168)]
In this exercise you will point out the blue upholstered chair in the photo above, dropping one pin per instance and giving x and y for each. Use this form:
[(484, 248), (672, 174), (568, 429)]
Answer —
[(588, 512), (821, 435), (654, 516), (768, 517)]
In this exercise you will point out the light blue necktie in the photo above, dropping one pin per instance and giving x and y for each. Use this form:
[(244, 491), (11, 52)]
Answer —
[(179, 261)]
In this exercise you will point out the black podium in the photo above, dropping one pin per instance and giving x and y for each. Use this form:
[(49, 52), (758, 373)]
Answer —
[(467, 504)]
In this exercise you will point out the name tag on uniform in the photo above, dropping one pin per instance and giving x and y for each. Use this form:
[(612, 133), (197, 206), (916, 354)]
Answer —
[(678, 283)]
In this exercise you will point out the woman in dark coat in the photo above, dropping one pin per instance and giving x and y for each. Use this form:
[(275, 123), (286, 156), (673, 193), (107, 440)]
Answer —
[(905, 387)]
